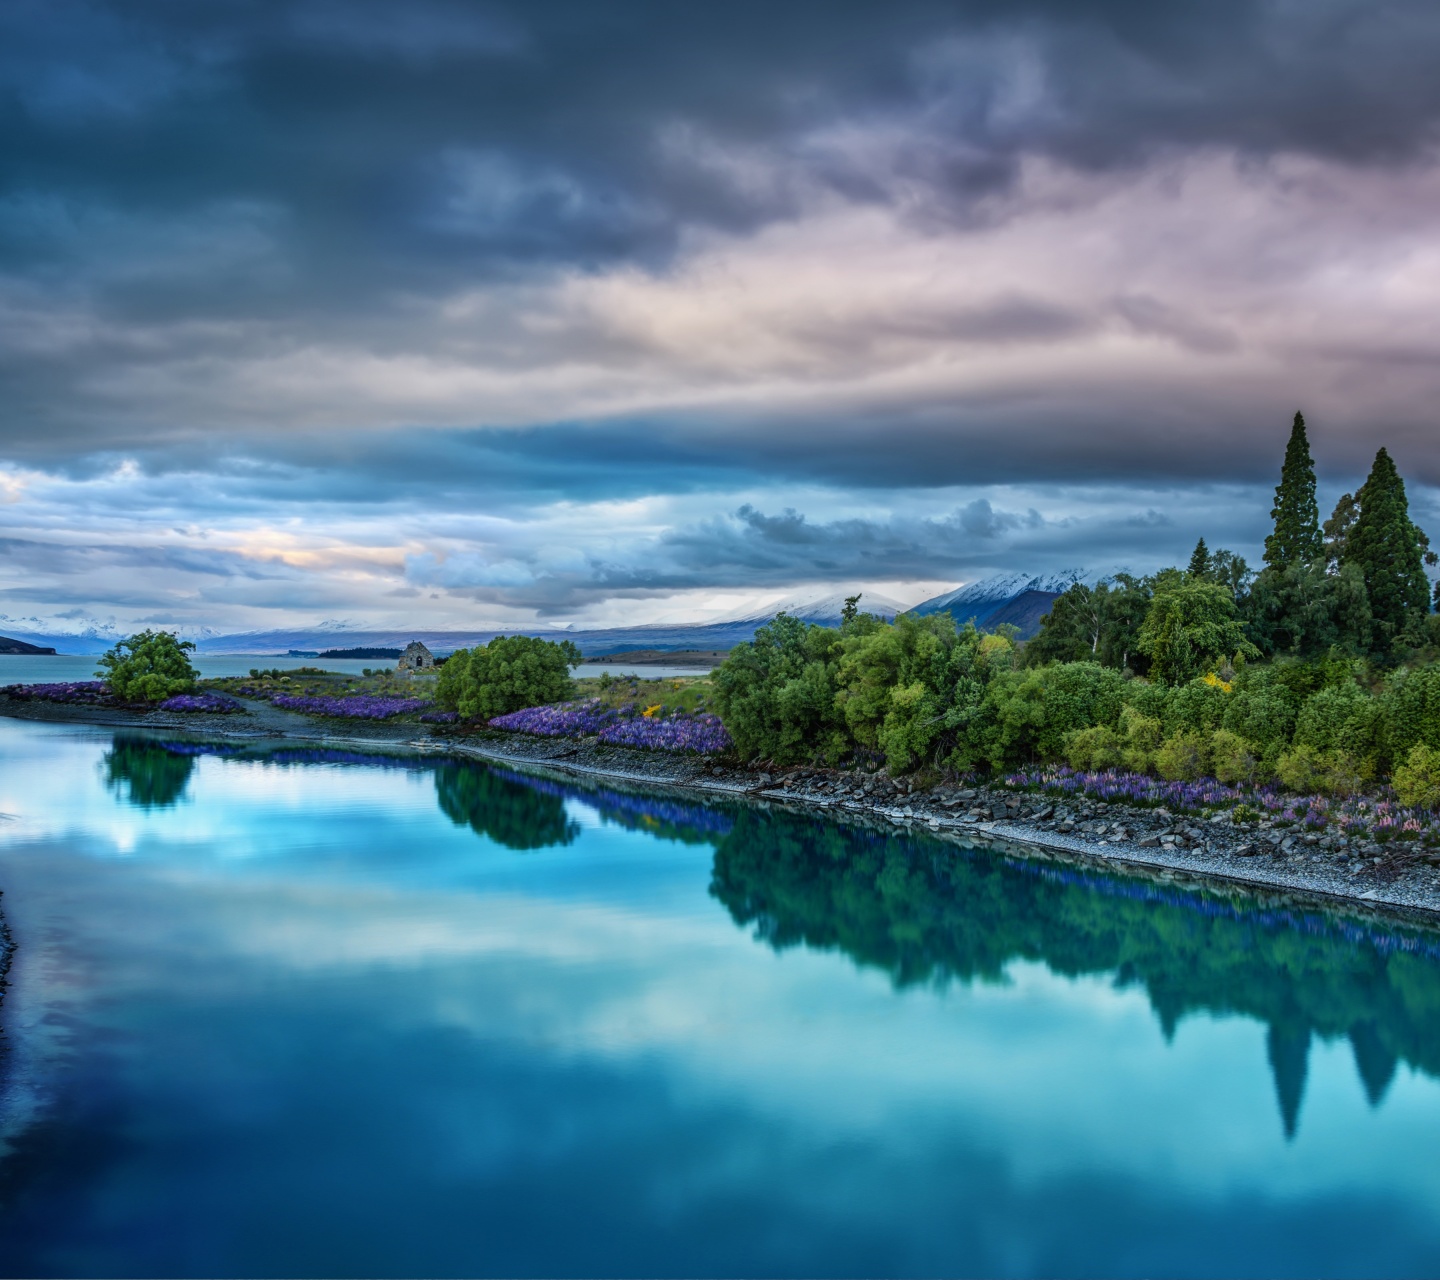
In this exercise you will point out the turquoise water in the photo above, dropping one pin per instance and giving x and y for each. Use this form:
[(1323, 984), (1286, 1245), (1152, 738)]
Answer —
[(288, 1012)]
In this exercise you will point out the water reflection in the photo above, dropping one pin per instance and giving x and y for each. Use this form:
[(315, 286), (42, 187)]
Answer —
[(147, 774), (922, 913), (927, 913)]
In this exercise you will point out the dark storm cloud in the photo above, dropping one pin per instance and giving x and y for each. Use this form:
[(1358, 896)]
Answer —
[(398, 147), (363, 269)]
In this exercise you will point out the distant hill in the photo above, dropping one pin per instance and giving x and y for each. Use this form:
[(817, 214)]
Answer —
[(361, 652), (823, 610), (7, 645)]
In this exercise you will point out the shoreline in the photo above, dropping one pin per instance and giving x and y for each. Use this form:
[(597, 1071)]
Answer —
[(1039, 824)]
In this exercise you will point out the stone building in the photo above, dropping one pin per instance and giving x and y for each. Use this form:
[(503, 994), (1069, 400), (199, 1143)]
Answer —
[(415, 658)]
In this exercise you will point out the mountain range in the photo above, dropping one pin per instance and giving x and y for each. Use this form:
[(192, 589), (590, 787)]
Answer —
[(1019, 599)]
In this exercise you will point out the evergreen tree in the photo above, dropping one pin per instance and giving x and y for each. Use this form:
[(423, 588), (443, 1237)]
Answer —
[(1200, 563), (1297, 518), (1389, 551), (1337, 529)]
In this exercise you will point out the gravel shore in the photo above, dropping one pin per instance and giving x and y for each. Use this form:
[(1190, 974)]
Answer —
[(1210, 847)]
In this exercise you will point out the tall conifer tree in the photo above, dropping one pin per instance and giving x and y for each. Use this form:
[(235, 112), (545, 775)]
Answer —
[(1296, 539), (1388, 550), (1200, 563)]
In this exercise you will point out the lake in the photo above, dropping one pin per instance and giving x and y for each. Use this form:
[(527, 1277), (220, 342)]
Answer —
[(19, 668), (282, 1010)]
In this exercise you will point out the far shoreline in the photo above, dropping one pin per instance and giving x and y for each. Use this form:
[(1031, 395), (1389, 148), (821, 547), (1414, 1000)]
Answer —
[(805, 789)]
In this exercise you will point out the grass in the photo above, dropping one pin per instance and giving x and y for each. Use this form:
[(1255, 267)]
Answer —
[(670, 693)]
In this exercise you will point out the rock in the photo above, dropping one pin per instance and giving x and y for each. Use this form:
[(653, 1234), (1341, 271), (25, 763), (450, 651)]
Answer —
[(1150, 842)]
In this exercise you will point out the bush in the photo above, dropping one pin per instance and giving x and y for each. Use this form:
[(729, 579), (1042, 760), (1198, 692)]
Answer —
[(1301, 769), (508, 674), (1417, 781), (1183, 757), (1232, 758), (776, 695), (149, 667), (1097, 748), (1142, 736)]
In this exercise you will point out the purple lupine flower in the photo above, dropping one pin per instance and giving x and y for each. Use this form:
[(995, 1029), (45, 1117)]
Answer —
[(215, 703), (79, 691), (355, 706)]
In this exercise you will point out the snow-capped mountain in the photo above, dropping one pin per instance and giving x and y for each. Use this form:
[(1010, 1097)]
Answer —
[(1000, 588), (822, 608), (1019, 599)]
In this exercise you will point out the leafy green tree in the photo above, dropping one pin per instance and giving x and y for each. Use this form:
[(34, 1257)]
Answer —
[(148, 667), (508, 674), (1028, 716), (1190, 628), (1231, 572), (897, 684), (776, 694), (1337, 529), (1304, 611), (1389, 550), (1297, 517), (1093, 624)]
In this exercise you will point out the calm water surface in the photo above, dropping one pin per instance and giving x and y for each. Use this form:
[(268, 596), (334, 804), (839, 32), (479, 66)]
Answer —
[(287, 1012)]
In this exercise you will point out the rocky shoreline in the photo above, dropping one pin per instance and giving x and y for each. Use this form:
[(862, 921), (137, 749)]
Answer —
[(1214, 846)]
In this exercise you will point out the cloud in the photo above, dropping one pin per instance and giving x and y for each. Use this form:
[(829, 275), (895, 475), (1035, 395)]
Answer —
[(538, 307)]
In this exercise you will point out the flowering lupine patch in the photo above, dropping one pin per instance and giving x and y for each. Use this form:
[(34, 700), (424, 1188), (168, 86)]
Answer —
[(559, 720), (440, 717), (1379, 817), (214, 703), (626, 726), (355, 706), (702, 734), (82, 691)]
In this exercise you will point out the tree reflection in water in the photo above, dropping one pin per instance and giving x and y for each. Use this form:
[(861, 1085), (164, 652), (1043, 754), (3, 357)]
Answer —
[(926, 912), (502, 807), (146, 774)]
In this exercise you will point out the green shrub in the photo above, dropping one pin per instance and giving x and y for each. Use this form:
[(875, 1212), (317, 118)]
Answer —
[(1301, 769), (1343, 773), (1232, 759), (777, 694), (1417, 781), (1142, 737), (1183, 757), (897, 684), (149, 667), (508, 674), (1190, 627), (1097, 748)]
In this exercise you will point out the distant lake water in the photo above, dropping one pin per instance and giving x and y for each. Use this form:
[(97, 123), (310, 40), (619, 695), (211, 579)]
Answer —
[(282, 1010), (26, 669)]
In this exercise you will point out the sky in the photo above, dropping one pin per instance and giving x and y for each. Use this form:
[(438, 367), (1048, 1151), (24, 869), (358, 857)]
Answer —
[(464, 314)]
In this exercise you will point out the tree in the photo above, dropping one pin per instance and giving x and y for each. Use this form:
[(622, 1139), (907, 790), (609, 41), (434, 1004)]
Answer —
[(1296, 515), (1189, 629), (1201, 564), (1093, 624), (776, 694), (148, 667), (1337, 529), (508, 674), (1231, 572), (1389, 551)]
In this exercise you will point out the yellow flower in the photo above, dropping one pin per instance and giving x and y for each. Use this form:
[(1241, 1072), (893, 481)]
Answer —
[(1215, 682), (650, 711)]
